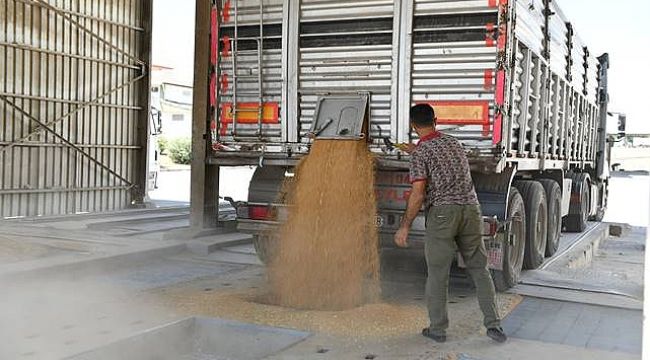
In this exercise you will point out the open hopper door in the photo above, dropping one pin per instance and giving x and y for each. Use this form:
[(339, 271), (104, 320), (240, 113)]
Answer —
[(341, 117)]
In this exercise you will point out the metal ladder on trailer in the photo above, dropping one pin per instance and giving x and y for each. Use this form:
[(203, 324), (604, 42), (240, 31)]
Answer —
[(259, 41)]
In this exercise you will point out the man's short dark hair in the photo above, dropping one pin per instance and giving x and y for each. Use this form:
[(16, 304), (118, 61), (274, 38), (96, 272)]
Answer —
[(422, 115)]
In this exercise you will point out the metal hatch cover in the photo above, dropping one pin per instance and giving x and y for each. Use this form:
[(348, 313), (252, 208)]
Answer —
[(340, 117)]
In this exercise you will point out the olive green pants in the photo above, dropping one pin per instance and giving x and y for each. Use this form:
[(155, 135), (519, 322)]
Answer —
[(452, 228)]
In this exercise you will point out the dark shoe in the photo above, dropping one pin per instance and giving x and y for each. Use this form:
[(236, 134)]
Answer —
[(497, 334), (438, 338)]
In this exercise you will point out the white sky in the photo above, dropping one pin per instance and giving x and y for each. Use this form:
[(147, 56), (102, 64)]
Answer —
[(621, 28), (173, 38)]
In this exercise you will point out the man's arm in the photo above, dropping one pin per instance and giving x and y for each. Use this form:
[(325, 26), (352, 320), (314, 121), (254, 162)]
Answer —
[(415, 201)]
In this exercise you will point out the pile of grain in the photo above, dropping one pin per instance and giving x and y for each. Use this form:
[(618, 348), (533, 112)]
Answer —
[(378, 321), (327, 254)]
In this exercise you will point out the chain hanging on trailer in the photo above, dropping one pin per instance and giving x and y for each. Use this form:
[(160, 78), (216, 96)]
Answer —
[(260, 71), (236, 105), (216, 83)]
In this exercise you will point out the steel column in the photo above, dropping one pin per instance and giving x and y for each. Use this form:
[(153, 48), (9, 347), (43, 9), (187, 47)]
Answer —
[(205, 178)]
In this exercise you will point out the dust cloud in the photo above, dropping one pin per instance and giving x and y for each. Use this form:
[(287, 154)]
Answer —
[(327, 254), (53, 317)]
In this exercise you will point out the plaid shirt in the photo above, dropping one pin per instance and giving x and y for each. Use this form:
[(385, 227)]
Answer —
[(440, 160)]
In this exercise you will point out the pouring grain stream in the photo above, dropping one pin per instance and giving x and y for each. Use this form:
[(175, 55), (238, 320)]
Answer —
[(327, 251)]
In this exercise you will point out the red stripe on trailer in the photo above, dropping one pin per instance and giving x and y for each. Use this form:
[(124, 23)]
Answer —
[(214, 35), (226, 11), (501, 40), (224, 129), (225, 50), (488, 80), (224, 82), (213, 90), (500, 87), (496, 132), (223, 124), (503, 26), (492, 3), (500, 101), (489, 34)]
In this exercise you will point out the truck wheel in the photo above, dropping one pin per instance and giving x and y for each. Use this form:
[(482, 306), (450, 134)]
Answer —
[(554, 201), (513, 250), (263, 248), (576, 221), (536, 222)]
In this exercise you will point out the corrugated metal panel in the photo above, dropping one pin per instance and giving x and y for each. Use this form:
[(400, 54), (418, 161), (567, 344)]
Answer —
[(74, 105), (333, 10), (442, 7), (249, 11), (338, 55), (452, 61), (246, 15)]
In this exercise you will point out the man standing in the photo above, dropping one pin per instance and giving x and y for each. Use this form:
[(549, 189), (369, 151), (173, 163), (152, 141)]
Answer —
[(441, 179)]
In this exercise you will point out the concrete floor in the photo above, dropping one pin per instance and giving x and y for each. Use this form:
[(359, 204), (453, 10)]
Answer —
[(75, 284)]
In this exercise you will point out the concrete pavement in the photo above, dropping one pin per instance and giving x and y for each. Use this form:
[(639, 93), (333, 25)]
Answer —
[(98, 280)]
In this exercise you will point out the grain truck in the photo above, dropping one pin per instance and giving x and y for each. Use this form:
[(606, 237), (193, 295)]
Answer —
[(510, 79)]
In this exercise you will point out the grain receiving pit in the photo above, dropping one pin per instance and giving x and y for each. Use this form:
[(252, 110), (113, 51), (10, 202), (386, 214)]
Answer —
[(199, 338)]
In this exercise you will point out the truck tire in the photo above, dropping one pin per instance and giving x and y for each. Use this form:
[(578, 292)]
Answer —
[(536, 222), (513, 250), (263, 248), (554, 202), (576, 221)]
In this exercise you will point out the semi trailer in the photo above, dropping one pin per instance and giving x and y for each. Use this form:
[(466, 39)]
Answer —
[(511, 79)]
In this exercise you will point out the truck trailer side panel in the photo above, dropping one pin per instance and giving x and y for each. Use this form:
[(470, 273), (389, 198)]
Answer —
[(516, 86)]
